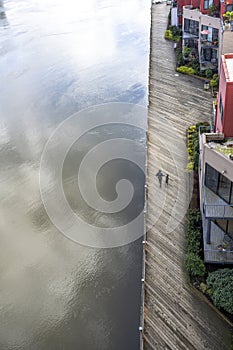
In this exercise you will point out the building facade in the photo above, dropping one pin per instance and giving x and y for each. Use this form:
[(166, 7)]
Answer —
[(224, 109), (216, 197), (206, 30), (202, 34)]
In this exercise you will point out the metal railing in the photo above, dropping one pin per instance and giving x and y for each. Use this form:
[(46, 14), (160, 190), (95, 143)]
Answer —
[(216, 210), (206, 43), (222, 211)]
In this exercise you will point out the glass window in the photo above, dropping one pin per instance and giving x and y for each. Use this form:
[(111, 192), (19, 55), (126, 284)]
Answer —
[(224, 188), (221, 107), (214, 53), (215, 34), (210, 35), (207, 4), (231, 197), (207, 54), (211, 178), (222, 224), (186, 25), (191, 26), (230, 228), (229, 8)]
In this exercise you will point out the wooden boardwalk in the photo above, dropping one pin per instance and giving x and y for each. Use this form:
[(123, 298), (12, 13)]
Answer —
[(174, 317)]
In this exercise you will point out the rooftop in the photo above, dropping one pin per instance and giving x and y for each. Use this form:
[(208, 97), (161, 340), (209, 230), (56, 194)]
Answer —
[(229, 64), (224, 147)]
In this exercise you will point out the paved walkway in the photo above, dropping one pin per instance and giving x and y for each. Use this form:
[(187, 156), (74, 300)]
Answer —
[(175, 318)]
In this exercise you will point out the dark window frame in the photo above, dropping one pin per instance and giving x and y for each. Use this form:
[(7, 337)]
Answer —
[(221, 109), (216, 188)]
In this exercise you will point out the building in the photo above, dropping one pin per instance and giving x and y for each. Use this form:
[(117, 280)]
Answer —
[(216, 173), (205, 30), (216, 197), (224, 110), (202, 33), (178, 5)]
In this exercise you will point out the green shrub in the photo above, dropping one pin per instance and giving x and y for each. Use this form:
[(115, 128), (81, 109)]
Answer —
[(193, 142), (194, 265), (208, 73), (176, 38), (220, 283), (186, 51), (185, 70), (190, 166), (202, 73), (175, 31), (213, 83), (172, 33), (194, 240), (194, 218), (194, 231), (168, 35), (203, 287), (179, 58)]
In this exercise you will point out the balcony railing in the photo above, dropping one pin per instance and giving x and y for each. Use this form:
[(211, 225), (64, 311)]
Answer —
[(209, 44), (190, 34), (219, 249), (218, 211), (216, 256), (215, 207)]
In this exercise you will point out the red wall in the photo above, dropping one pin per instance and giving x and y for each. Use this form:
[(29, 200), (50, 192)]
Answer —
[(194, 3), (226, 91), (206, 12), (228, 115), (181, 3)]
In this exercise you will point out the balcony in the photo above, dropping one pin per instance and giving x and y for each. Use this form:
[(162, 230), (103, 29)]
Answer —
[(218, 238), (190, 35), (216, 207), (209, 44), (212, 64)]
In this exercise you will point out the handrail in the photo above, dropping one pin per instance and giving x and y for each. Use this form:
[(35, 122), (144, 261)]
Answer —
[(218, 251), (221, 206)]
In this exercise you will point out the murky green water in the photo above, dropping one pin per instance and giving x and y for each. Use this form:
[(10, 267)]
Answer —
[(57, 58)]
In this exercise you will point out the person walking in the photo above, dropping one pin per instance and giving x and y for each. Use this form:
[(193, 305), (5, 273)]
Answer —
[(167, 179), (160, 177)]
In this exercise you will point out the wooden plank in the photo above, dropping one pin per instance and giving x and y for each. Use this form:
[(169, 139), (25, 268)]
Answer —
[(174, 317)]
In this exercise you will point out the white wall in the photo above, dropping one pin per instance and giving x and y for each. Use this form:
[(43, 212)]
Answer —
[(174, 17)]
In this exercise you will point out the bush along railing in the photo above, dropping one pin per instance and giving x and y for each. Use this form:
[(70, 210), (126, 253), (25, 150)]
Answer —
[(214, 83), (173, 33), (193, 144), (220, 289), (194, 264), (185, 70), (218, 286)]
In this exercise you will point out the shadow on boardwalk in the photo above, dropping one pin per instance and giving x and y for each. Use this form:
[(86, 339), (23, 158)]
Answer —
[(174, 317)]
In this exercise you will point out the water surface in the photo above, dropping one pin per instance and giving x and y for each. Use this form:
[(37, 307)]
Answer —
[(56, 58)]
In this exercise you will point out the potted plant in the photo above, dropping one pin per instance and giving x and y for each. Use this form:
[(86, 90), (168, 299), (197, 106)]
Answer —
[(228, 18), (222, 247), (213, 10), (186, 52)]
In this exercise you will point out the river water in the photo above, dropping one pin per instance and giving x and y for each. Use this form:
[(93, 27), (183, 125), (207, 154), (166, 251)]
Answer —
[(56, 58)]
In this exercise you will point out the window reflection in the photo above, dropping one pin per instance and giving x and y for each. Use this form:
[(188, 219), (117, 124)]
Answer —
[(226, 226), (219, 184), (224, 188), (211, 179)]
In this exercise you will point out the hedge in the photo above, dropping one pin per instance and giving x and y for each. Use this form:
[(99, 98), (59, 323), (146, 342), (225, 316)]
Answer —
[(220, 285)]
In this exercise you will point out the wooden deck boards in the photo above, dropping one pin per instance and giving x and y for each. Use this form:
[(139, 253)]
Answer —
[(174, 318)]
